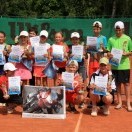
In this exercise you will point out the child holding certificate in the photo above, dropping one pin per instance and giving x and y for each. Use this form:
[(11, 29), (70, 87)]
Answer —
[(101, 85), (76, 49), (4, 51), (61, 54), (10, 98), (73, 96), (101, 43), (41, 55), (120, 50), (24, 67)]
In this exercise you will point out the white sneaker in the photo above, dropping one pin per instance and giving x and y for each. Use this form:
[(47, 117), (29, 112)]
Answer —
[(10, 110), (94, 111), (106, 110)]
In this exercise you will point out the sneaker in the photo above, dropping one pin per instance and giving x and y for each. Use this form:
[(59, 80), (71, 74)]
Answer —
[(106, 110), (81, 105), (119, 106), (94, 111), (10, 110), (2, 104), (72, 108)]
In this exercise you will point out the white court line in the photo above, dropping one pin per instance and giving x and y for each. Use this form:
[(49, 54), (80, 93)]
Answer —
[(78, 122)]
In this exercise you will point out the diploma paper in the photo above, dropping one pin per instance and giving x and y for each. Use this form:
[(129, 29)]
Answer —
[(92, 44), (68, 79), (77, 52), (101, 83), (34, 40), (117, 55), (39, 54), (15, 55), (14, 85), (58, 53), (2, 58)]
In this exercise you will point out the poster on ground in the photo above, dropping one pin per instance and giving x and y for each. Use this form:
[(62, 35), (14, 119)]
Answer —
[(44, 102)]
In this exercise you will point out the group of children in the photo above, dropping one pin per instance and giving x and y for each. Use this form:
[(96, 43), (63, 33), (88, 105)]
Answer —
[(49, 73)]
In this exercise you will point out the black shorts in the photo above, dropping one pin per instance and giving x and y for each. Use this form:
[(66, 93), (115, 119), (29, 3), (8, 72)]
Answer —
[(121, 76), (60, 70)]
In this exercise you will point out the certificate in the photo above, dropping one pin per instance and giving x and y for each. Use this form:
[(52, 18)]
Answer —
[(15, 55), (68, 79), (92, 44), (77, 52), (58, 53), (34, 40), (14, 85), (101, 85), (40, 51), (2, 57), (117, 55)]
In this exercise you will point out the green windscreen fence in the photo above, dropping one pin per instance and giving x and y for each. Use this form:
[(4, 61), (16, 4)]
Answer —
[(13, 26)]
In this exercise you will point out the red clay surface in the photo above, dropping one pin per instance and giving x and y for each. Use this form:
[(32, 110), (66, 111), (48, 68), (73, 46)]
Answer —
[(117, 121)]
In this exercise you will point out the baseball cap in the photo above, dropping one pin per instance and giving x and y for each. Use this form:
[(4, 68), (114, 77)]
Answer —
[(75, 34), (9, 66), (97, 23), (119, 24), (23, 33), (44, 33), (104, 60), (72, 62)]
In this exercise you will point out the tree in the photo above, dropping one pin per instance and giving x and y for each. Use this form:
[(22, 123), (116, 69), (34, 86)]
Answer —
[(65, 8)]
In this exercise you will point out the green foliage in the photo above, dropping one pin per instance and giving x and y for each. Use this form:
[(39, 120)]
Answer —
[(65, 8)]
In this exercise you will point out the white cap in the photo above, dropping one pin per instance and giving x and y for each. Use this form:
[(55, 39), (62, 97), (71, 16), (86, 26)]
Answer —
[(9, 66), (72, 62), (119, 24), (23, 33), (44, 33), (97, 23), (75, 34)]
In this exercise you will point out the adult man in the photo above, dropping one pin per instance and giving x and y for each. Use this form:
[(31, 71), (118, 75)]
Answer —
[(122, 71)]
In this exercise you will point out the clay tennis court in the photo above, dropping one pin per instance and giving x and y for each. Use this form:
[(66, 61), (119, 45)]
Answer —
[(117, 121)]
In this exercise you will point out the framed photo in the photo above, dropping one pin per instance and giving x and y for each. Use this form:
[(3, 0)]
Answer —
[(44, 102)]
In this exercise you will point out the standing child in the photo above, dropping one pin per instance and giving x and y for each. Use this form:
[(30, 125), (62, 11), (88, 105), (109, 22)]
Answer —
[(11, 100), (75, 40), (33, 32), (59, 40), (24, 68), (121, 41), (40, 78), (101, 47), (4, 51)]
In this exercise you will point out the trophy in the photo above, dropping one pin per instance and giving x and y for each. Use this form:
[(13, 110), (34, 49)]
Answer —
[(101, 47)]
